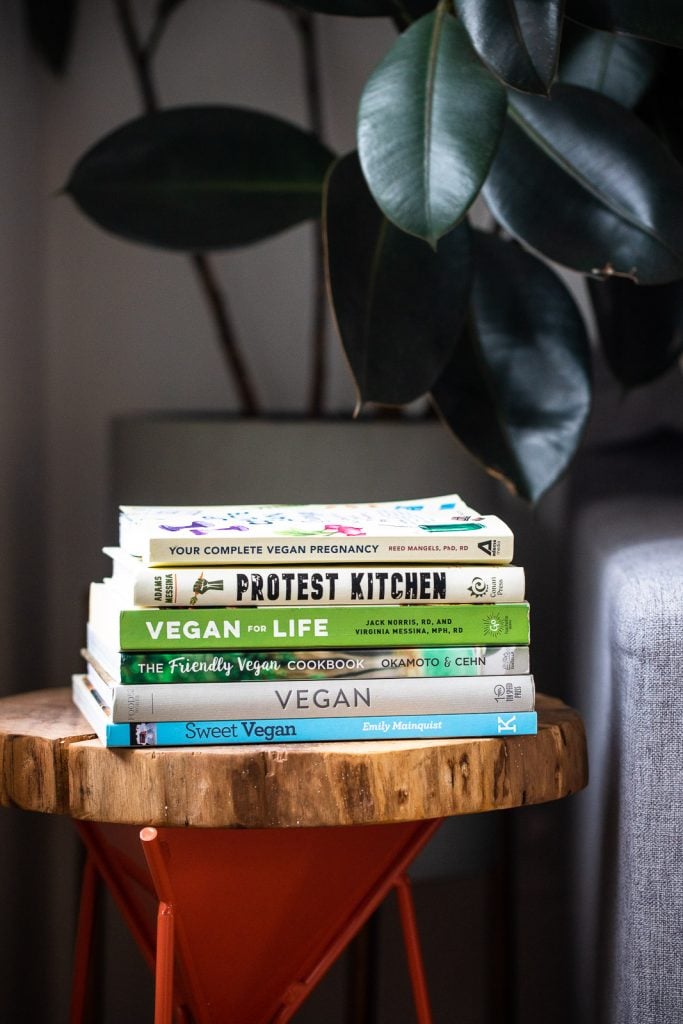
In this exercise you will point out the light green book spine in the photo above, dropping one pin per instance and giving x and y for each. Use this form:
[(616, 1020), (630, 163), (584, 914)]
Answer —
[(143, 629)]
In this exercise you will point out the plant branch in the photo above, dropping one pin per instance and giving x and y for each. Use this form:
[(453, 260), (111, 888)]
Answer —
[(141, 56), (219, 306), (138, 54), (165, 9)]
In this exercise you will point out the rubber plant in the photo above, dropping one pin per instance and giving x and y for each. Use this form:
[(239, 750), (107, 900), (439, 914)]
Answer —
[(564, 117)]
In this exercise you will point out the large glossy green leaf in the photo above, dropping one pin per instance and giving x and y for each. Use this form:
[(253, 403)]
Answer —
[(618, 66), (660, 20), (403, 11), (517, 390), (399, 305), (428, 125), (518, 39), (198, 178), (641, 329), (583, 181)]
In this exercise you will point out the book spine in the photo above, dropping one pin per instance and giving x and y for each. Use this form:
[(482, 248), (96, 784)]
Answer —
[(93, 708), (203, 586), (296, 730), (168, 667), (318, 730), (335, 626), (461, 542), (320, 700)]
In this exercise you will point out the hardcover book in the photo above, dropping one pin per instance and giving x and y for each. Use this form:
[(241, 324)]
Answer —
[(329, 698), (504, 724), (144, 629), (171, 667), (442, 529), (220, 586)]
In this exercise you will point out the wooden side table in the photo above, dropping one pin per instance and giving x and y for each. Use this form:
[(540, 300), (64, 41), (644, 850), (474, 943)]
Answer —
[(230, 864)]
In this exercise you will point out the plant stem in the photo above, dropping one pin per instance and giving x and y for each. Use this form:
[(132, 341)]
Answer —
[(219, 306), (140, 56), (306, 25)]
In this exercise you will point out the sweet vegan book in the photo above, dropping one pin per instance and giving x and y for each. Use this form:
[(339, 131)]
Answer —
[(221, 585), (193, 732), (440, 529)]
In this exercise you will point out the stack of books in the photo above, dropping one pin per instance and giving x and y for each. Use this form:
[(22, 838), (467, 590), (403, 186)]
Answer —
[(282, 624)]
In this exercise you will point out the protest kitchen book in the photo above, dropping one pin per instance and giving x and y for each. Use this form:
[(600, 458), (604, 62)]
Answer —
[(221, 585), (441, 529), (294, 730)]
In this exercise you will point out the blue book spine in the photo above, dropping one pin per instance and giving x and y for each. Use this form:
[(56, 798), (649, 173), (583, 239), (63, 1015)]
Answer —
[(302, 730)]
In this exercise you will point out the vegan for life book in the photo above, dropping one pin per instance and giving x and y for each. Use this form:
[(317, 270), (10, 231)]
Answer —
[(175, 629), (440, 529)]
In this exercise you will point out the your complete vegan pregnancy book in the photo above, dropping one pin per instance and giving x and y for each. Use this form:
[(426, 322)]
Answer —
[(442, 529)]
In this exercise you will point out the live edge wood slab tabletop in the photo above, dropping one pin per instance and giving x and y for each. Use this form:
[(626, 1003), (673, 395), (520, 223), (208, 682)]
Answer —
[(52, 763)]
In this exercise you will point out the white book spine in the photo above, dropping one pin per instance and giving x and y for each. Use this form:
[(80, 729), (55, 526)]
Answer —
[(344, 698), (224, 586)]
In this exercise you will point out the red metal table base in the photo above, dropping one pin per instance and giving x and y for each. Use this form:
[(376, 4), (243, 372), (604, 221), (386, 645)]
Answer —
[(240, 925)]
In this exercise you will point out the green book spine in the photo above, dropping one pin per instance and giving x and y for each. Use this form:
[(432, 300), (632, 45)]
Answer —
[(143, 629), (172, 667)]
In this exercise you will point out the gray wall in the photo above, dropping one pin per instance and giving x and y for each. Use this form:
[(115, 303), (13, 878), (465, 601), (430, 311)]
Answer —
[(126, 328), (37, 857)]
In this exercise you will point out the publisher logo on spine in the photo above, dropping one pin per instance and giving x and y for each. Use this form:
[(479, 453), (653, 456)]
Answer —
[(496, 624), (478, 587), (489, 547), (202, 586)]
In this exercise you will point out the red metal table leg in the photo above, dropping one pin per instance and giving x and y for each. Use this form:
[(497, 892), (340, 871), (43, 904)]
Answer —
[(258, 916), (125, 874), (163, 994), (411, 941), (84, 933)]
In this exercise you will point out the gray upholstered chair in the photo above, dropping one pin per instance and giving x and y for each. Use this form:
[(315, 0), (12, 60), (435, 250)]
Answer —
[(627, 680)]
